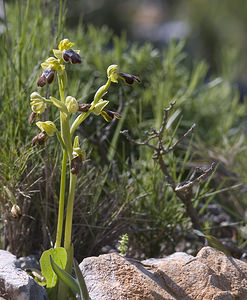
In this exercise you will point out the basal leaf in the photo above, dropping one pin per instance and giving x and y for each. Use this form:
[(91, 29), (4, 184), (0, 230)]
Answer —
[(59, 256)]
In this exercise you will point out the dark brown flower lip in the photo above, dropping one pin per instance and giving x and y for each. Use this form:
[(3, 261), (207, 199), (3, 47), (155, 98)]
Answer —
[(128, 78), (71, 56), (46, 76), (113, 114), (32, 117), (76, 165), (41, 81), (40, 138), (84, 107)]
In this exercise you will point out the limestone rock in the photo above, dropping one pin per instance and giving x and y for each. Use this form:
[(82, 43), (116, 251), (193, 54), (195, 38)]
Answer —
[(16, 284), (211, 275)]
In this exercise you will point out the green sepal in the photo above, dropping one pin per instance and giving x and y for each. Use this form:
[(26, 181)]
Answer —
[(59, 256), (65, 277), (99, 106), (99, 94), (58, 53), (60, 105)]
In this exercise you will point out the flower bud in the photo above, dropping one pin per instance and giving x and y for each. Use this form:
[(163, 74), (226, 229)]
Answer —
[(15, 211), (71, 56), (48, 127), (40, 139), (37, 103), (71, 104), (35, 96), (84, 107)]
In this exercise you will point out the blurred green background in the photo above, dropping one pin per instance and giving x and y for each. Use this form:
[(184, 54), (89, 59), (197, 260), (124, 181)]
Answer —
[(212, 29)]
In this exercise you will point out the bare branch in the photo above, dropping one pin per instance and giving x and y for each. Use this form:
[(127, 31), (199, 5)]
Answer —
[(145, 143), (188, 185), (165, 171), (166, 150), (165, 117)]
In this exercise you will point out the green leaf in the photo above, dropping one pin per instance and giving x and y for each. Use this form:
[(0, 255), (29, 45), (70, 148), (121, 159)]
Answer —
[(59, 256), (82, 285), (215, 243), (65, 277), (212, 241)]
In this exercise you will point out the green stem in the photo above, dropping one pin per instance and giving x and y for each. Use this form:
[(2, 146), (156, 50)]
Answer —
[(69, 217), (61, 87), (64, 119), (65, 133), (61, 200), (60, 140), (78, 121), (65, 140)]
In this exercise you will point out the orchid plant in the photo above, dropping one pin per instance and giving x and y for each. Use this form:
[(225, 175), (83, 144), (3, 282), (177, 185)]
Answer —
[(71, 115)]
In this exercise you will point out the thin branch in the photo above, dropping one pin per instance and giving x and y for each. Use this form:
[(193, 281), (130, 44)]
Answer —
[(166, 150), (165, 171), (145, 143), (188, 185), (165, 117)]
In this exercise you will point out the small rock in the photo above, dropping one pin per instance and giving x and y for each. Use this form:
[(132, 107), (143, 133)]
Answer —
[(27, 262), (16, 284)]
